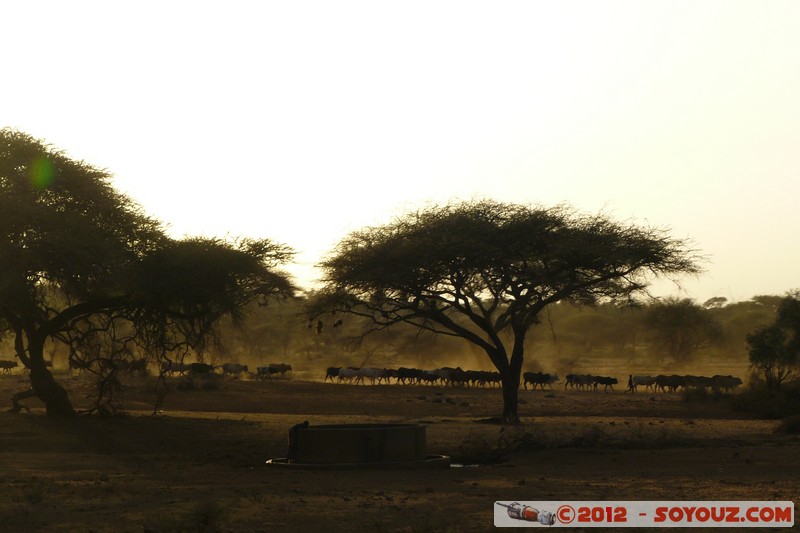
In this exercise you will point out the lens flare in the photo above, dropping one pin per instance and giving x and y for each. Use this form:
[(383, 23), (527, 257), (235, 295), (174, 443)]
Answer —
[(41, 172)]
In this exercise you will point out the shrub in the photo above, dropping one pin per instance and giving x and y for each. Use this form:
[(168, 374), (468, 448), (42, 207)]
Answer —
[(789, 426), (764, 402)]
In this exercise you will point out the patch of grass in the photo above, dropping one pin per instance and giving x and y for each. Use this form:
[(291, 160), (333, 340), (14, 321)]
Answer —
[(646, 437), (594, 437), (700, 394), (477, 449), (199, 383), (207, 517)]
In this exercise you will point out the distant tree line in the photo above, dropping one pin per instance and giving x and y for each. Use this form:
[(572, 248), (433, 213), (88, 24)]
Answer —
[(665, 334)]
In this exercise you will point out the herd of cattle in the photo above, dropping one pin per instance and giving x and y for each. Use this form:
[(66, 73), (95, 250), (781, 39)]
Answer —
[(482, 378), (674, 382), (139, 366), (439, 376), (413, 376), (232, 369)]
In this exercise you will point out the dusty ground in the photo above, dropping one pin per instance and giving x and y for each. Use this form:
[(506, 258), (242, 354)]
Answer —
[(199, 465)]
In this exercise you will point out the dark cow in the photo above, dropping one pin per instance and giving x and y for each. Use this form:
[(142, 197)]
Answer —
[(77, 364), (449, 375), (279, 368), (725, 383), (669, 383), (138, 366), (472, 377), (408, 375), (6, 366), (491, 378), (201, 368), (606, 381), (428, 377), (539, 378), (234, 369), (697, 382), (332, 372), (174, 367), (579, 381)]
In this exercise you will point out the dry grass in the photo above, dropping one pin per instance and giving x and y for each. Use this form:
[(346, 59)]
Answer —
[(199, 464)]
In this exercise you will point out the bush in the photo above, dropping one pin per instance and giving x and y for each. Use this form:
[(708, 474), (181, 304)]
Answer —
[(771, 404), (789, 426)]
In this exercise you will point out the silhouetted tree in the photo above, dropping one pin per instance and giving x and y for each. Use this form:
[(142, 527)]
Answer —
[(716, 302), (484, 271), (775, 348), (679, 327), (81, 264)]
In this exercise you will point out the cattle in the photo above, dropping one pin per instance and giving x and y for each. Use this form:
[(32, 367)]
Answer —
[(472, 377), (6, 366), (725, 383), (649, 382), (410, 375), (135, 366), (266, 372), (139, 366), (388, 374), (428, 377), (606, 381), (697, 382), (669, 383), (201, 368), (373, 374), (491, 378), (459, 377), (332, 372), (366, 372), (234, 369), (450, 376), (347, 374), (579, 381), (539, 378), (174, 367), (279, 368), (80, 366)]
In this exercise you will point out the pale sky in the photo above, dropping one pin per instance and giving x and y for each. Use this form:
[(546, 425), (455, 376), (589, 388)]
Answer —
[(302, 121)]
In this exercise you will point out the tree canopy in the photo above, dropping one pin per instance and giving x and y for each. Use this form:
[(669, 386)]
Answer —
[(681, 327), (775, 348), (78, 258), (485, 270)]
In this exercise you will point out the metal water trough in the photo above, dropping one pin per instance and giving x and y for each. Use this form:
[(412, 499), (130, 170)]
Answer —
[(359, 446)]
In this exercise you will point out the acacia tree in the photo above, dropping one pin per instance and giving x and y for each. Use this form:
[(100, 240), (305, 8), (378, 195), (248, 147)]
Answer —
[(81, 264), (484, 271), (680, 327), (774, 349)]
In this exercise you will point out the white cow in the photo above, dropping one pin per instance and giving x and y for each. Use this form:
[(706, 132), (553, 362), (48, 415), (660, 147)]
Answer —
[(649, 382)]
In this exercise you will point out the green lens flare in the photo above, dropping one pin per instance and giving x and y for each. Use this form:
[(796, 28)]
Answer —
[(41, 172)]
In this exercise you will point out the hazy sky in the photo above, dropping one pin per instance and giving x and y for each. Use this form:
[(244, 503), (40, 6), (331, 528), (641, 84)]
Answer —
[(302, 121)]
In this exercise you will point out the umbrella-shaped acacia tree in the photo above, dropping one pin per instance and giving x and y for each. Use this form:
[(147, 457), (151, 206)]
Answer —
[(80, 264), (484, 271)]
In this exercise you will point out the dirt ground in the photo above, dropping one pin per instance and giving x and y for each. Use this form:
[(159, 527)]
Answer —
[(199, 464)]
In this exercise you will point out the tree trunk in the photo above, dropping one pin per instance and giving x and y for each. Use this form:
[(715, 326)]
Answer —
[(53, 395), (510, 397), (510, 378)]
